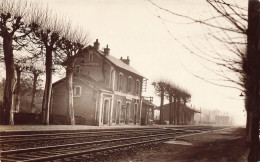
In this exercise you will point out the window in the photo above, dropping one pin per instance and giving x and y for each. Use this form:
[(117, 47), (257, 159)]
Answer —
[(120, 81), (90, 57), (137, 86), (111, 85), (129, 84), (77, 91)]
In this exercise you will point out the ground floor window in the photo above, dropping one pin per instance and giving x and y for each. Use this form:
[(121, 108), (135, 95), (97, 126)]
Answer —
[(77, 91)]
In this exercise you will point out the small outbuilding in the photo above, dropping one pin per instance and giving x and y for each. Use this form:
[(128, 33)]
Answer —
[(183, 114), (147, 116)]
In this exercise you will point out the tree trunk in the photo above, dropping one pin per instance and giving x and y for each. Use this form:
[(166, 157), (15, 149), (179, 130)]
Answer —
[(35, 78), (48, 87), (247, 121), (6, 117), (178, 111), (171, 115), (69, 87), (174, 110), (184, 111), (17, 89), (161, 107), (252, 78)]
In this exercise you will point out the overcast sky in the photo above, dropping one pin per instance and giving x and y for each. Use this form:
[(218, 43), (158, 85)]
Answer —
[(132, 28)]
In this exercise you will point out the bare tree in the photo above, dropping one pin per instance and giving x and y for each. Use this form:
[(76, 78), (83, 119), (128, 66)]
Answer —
[(16, 97), (36, 73), (169, 95), (13, 19), (172, 94), (34, 69), (160, 87), (185, 96), (71, 46), (47, 30)]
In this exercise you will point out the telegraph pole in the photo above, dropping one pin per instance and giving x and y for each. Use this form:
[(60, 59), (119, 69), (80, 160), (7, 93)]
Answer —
[(252, 67), (200, 115), (209, 117)]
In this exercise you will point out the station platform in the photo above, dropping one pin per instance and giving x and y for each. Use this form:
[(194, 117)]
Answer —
[(60, 128)]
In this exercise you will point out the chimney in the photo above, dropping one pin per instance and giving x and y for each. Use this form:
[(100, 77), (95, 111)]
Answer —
[(106, 51), (126, 61), (96, 45)]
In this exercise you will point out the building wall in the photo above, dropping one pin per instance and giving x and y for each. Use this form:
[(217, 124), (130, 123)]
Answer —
[(84, 105), (125, 86), (93, 67), (125, 111), (186, 116), (103, 71)]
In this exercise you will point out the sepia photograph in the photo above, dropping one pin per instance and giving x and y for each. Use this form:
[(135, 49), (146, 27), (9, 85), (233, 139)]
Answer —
[(130, 80)]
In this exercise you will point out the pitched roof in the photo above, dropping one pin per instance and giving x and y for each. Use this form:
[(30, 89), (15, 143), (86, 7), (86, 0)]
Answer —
[(119, 63), (166, 106), (148, 103)]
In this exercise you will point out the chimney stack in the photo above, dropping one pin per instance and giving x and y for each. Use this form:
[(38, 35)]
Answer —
[(126, 61), (106, 51), (96, 45)]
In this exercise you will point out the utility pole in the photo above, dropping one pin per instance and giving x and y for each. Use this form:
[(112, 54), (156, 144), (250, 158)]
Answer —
[(251, 68), (200, 115), (209, 117)]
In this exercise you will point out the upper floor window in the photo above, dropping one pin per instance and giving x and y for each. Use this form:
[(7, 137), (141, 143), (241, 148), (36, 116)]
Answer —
[(77, 91), (120, 81), (90, 57), (129, 84), (111, 85), (137, 86)]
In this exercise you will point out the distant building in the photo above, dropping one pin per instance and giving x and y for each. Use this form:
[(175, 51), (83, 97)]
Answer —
[(223, 120), (185, 115), (106, 90)]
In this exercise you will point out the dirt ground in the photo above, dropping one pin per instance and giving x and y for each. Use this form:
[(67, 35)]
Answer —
[(223, 146)]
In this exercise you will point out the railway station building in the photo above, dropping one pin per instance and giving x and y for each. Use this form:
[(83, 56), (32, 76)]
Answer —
[(107, 90)]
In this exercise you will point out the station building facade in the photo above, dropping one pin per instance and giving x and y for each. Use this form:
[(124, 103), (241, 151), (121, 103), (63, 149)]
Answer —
[(107, 90)]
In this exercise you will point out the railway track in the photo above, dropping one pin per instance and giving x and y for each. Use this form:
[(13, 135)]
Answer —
[(83, 145), (33, 140)]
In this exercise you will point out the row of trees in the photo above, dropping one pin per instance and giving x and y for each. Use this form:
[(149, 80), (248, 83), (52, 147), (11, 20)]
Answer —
[(176, 97), (32, 31)]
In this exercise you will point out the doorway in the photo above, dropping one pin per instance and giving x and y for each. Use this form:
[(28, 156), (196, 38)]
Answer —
[(106, 109)]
